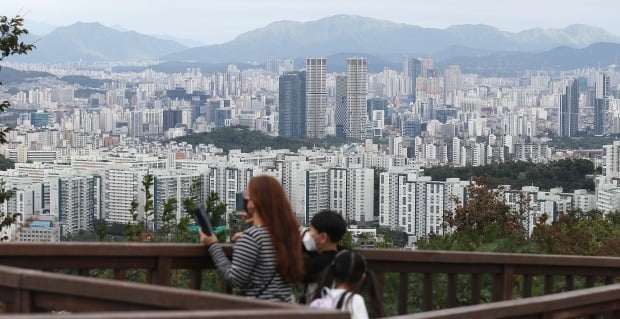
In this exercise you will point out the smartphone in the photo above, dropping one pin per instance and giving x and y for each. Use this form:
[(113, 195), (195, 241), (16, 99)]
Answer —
[(204, 220)]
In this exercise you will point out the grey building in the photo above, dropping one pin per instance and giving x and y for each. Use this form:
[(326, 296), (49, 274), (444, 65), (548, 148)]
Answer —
[(569, 110), (292, 104), (316, 97), (357, 90), (341, 105)]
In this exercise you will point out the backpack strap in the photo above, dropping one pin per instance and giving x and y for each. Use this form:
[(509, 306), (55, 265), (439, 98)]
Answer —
[(342, 298)]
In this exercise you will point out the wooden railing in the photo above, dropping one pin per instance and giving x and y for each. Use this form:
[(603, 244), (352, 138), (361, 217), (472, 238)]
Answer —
[(415, 280), (601, 302), (30, 291), (504, 276)]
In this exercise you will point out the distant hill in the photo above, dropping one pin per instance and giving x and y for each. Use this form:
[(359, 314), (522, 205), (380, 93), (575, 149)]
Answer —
[(96, 42), (11, 76), (346, 33), (498, 63), (567, 173), (84, 81), (560, 58), (190, 43), (180, 67), (247, 140)]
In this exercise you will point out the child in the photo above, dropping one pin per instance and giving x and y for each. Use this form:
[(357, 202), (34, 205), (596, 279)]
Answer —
[(351, 276), (320, 245)]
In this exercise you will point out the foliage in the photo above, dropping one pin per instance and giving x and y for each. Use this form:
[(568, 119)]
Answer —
[(568, 173), (100, 233), (81, 236), (86, 93), (391, 238), (147, 182), (6, 163), (348, 240), (101, 230), (483, 223), (247, 140), (168, 221), (486, 223), (183, 233), (11, 29), (13, 76), (583, 142), (133, 229), (579, 233), (84, 81)]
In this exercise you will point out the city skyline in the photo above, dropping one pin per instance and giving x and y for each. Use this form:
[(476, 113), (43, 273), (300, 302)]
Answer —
[(191, 19)]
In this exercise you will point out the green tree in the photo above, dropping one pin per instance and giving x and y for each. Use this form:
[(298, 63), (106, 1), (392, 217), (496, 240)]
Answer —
[(101, 230), (168, 221), (348, 240), (568, 173), (133, 229), (483, 223), (147, 183), (391, 238), (217, 210), (11, 29), (183, 233), (563, 236)]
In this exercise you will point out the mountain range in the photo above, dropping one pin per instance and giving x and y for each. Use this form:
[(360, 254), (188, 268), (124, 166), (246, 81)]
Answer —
[(601, 54), (93, 42), (384, 43), (346, 33)]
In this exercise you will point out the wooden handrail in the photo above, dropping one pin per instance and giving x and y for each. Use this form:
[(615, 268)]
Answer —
[(66, 249), (26, 290), (307, 313), (584, 302), (502, 273)]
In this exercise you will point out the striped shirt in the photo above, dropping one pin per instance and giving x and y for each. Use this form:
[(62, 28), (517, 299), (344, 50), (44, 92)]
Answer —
[(254, 266)]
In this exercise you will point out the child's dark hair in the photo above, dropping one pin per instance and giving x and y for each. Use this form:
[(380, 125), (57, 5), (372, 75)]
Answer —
[(349, 266), (331, 223)]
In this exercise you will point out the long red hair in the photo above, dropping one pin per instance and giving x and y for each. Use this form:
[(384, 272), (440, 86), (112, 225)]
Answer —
[(274, 208)]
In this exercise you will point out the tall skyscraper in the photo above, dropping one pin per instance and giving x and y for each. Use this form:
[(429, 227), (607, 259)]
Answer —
[(569, 110), (316, 97), (341, 105), (357, 88), (426, 67), (292, 104), (171, 118), (601, 103), (412, 68), (452, 81)]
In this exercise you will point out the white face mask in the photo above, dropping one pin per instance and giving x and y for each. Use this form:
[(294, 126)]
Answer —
[(309, 242)]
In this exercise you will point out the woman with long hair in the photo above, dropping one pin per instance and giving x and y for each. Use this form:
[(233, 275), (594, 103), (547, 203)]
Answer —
[(266, 259)]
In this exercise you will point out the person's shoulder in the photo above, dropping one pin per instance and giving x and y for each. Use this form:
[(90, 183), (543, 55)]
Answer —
[(357, 299), (357, 306), (256, 232), (325, 257)]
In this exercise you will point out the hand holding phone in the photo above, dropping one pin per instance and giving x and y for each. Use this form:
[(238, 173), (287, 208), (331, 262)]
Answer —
[(204, 220)]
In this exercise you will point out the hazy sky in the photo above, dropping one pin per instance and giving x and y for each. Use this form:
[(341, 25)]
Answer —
[(217, 21)]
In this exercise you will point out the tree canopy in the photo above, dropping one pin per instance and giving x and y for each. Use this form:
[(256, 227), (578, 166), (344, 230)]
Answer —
[(11, 29), (248, 140), (570, 174)]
